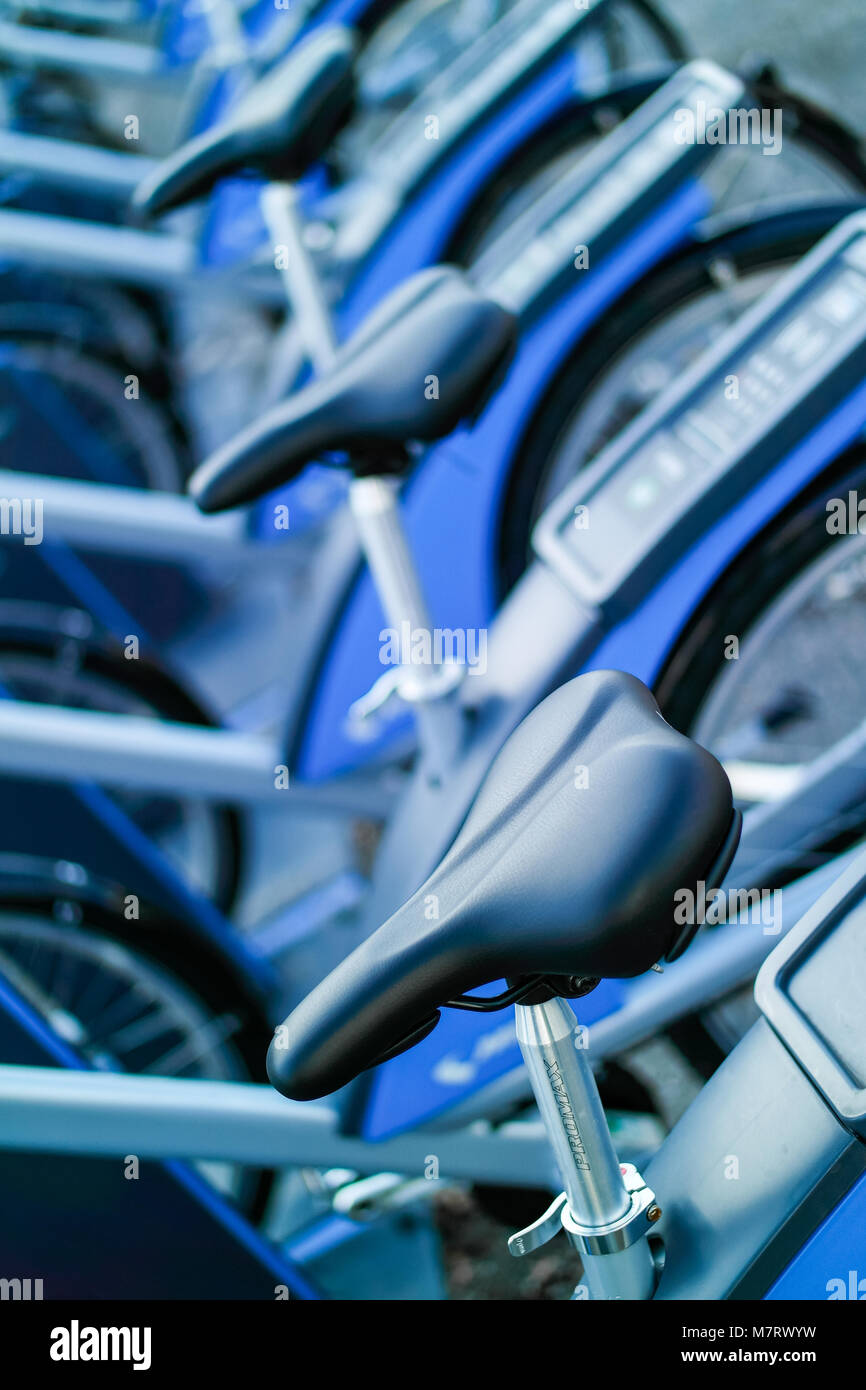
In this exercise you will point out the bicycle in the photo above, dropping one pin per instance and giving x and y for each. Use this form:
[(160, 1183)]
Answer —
[(554, 928), (515, 902)]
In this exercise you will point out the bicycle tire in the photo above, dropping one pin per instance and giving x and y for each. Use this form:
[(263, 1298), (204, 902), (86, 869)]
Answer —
[(50, 637)]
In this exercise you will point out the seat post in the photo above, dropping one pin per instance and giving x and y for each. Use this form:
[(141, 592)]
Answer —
[(285, 223), (606, 1209), (430, 689)]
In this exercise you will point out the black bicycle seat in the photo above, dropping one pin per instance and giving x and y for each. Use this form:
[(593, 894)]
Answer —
[(591, 818), (425, 359), (282, 126)]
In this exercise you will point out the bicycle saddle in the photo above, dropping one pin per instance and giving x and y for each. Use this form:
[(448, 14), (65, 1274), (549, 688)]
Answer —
[(590, 819), (282, 126), (379, 395)]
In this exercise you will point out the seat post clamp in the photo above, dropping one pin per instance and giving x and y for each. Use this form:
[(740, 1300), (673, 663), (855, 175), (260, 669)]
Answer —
[(616, 1235), (609, 1239)]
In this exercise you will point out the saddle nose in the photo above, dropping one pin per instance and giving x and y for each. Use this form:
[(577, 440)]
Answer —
[(282, 126), (593, 817)]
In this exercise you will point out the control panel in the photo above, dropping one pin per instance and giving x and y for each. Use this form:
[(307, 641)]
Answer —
[(611, 190), (711, 438)]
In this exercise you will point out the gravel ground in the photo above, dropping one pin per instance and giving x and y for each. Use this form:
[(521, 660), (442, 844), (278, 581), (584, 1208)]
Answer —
[(478, 1267)]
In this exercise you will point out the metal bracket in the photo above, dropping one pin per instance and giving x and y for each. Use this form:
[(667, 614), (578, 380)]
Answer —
[(626, 1230), (399, 684), (541, 1231), (593, 1240)]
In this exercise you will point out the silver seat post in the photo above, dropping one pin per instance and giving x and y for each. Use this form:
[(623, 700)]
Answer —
[(429, 688), (606, 1209), (312, 315)]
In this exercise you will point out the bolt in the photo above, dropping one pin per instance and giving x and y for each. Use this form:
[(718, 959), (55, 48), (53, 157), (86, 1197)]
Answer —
[(654, 1212)]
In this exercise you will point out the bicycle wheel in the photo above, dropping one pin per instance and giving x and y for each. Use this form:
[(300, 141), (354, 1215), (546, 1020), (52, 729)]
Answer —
[(134, 996), (103, 320), (795, 599), (68, 415), (55, 658)]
